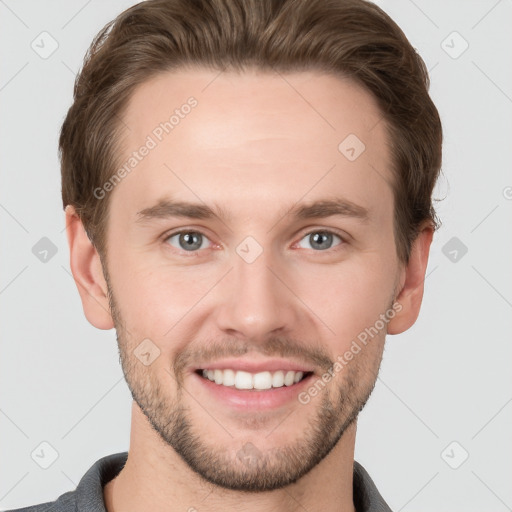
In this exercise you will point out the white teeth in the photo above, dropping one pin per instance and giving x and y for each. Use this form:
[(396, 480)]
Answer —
[(245, 380), (228, 378), (288, 378), (217, 374), (278, 379), (262, 380)]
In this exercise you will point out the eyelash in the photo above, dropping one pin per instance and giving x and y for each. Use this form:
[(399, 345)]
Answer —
[(197, 253)]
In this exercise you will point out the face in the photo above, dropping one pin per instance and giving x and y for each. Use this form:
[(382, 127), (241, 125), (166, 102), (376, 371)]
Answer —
[(246, 248)]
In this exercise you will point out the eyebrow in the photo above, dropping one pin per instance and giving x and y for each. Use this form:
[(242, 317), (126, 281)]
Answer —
[(167, 208)]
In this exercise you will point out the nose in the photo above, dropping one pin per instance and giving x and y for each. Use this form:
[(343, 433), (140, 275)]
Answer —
[(254, 300)]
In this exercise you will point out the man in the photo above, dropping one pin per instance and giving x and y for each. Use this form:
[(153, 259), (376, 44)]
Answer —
[(247, 187)]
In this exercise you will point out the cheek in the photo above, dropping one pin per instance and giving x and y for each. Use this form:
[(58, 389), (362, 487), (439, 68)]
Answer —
[(153, 298), (350, 297)]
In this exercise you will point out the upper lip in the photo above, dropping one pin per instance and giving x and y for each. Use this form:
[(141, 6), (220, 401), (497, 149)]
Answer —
[(255, 366)]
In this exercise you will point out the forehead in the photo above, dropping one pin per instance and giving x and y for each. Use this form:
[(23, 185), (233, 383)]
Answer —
[(257, 104), (254, 133)]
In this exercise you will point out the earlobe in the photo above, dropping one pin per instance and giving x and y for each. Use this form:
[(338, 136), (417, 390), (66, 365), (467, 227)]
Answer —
[(87, 272), (411, 292)]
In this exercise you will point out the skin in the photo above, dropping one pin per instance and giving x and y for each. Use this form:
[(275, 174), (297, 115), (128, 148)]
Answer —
[(256, 144)]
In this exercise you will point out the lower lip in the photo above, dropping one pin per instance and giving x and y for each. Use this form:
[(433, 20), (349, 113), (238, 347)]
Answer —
[(253, 399)]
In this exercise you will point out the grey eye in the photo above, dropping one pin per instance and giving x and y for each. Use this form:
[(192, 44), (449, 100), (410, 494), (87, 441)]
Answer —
[(188, 240), (320, 240)]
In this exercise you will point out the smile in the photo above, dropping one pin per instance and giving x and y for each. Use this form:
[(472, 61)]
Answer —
[(259, 381)]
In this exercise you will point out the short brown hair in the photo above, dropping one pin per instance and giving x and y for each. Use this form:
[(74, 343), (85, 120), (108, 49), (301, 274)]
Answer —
[(351, 38)]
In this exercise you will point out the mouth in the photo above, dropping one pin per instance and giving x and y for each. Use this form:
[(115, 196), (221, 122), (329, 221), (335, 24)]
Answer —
[(251, 384), (260, 381)]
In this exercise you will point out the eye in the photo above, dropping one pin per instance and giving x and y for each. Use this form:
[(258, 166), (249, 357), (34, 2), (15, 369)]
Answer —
[(321, 239), (189, 241)]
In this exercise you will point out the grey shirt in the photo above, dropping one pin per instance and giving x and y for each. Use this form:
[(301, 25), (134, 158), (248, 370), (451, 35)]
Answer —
[(88, 496)]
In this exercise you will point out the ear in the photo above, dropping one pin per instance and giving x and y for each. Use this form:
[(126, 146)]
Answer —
[(412, 280), (87, 272)]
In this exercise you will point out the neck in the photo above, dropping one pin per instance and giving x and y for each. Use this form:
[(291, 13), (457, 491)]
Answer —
[(156, 478)]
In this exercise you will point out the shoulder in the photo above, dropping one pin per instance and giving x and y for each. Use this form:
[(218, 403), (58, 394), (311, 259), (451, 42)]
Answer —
[(64, 503), (88, 495), (367, 497)]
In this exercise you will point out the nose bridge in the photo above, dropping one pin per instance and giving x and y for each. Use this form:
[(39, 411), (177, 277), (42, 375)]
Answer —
[(255, 302)]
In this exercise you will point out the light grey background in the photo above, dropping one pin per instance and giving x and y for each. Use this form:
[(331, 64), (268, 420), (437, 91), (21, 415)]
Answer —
[(447, 379)]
